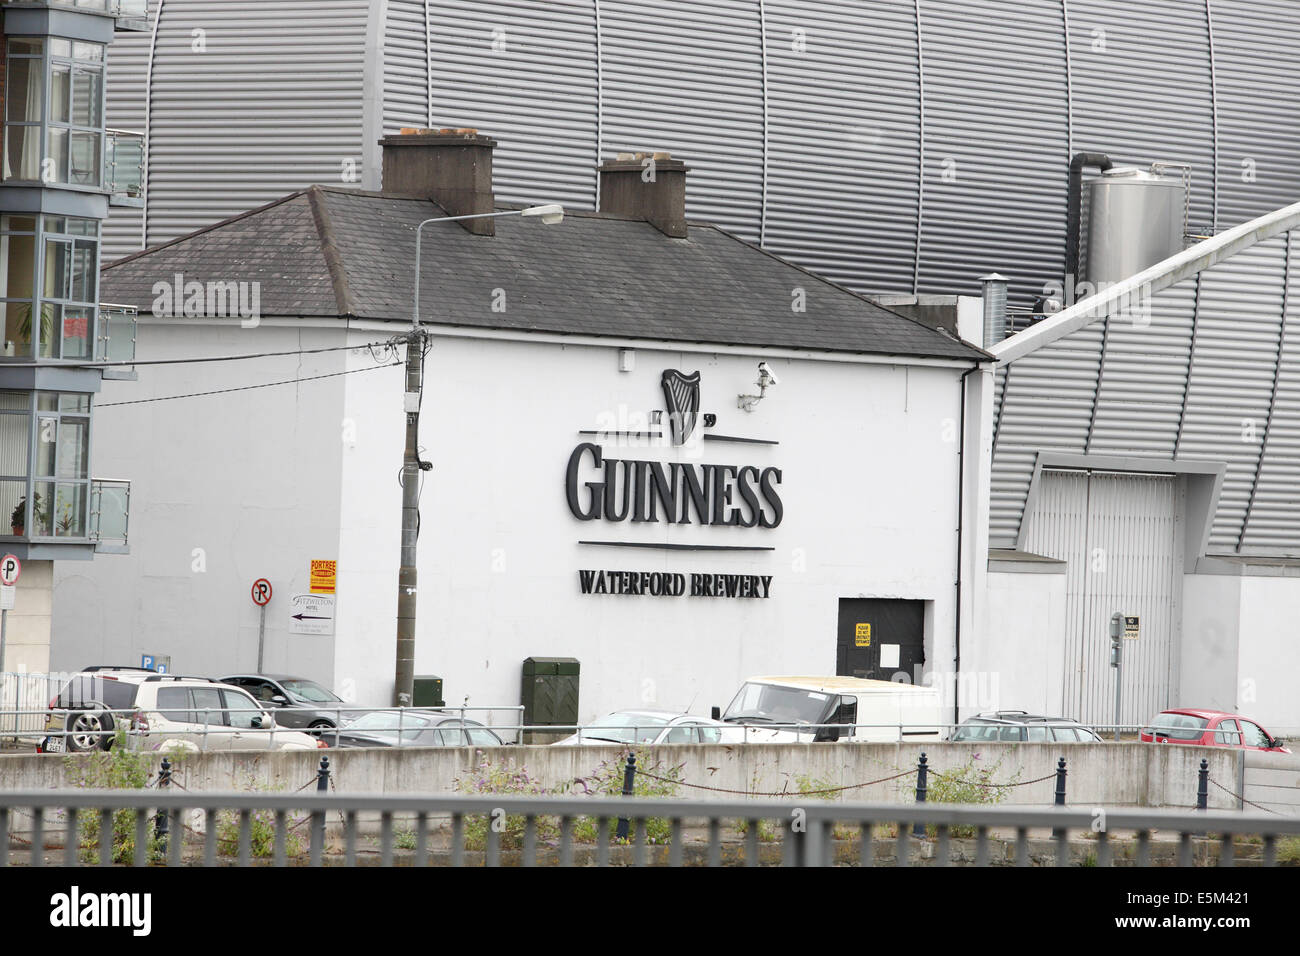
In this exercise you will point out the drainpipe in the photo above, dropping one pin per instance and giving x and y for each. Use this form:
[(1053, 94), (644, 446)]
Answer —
[(961, 504), (1073, 201)]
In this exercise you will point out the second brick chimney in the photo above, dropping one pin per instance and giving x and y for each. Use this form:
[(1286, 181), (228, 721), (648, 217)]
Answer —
[(649, 186), (453, 167)]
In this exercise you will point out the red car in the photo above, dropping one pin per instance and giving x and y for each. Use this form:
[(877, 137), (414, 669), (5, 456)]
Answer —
[(1210, 728)]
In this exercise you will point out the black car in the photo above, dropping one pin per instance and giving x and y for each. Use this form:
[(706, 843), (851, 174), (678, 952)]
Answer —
[(413, 728), (297, 701), (1017, 725)]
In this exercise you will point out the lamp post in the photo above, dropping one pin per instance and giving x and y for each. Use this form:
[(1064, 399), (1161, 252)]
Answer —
[(407, 584)]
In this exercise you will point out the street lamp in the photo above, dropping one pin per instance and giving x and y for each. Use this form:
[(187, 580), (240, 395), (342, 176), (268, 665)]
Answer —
[(404, 684)]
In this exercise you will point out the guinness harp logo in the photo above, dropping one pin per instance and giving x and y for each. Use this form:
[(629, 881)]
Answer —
[(682, 393)]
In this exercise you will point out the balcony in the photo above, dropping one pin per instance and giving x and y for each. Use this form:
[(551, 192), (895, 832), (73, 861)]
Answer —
[(124, 167), (115, 339), (130, 14), (110, 511)]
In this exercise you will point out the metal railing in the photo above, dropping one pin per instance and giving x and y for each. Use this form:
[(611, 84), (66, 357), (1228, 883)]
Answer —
[(128, 9), (115, 338), (124, 164), (205, 828), (110, 511)]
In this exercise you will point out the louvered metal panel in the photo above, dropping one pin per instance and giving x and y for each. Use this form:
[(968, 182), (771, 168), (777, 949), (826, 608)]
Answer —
[(843, 94), (1119, 537), (1257, 90), (127, 70), (995, 145), (524, 73), (688, 78), (1238, 327), (406, 66), (271, 103), (1273, 522), (1141, 91), (1144, 376)]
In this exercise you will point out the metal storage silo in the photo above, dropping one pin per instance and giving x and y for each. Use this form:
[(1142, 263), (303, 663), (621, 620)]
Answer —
[(1132, 219)]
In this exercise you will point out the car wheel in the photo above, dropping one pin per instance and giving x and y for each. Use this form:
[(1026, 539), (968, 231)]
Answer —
[(89, 730), (319, 725)]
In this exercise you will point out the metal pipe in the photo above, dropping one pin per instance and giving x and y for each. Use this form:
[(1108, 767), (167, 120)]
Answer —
[(1073, 202)]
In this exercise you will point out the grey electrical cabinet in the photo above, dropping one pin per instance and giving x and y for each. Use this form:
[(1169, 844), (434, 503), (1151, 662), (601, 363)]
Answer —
[(428, 691), (549, 691)]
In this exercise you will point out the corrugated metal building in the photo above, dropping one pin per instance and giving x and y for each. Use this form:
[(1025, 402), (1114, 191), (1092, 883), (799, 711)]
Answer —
[(902, 145)]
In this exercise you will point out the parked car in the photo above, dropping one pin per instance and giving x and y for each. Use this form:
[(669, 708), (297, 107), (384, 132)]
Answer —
[(163, 711), (412, 728), (1017, 725), (84, 713), (297, 701), (653, 727), (853, 707), (1210, 728)]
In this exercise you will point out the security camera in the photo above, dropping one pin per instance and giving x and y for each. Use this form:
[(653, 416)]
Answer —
[(766, 376)]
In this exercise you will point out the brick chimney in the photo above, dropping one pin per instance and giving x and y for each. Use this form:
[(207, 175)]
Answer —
[(649, 186), (453, 167)]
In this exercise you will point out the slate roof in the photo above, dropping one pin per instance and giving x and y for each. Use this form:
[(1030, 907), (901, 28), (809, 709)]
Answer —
[(328, 251)]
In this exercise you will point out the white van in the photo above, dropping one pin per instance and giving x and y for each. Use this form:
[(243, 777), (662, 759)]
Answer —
[(861, 710)]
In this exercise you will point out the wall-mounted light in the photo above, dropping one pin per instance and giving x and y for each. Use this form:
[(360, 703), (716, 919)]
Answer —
[(766, 379), (626, 360)]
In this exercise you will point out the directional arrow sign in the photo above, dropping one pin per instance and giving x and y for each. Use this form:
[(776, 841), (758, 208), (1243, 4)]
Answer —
[(311, 614)]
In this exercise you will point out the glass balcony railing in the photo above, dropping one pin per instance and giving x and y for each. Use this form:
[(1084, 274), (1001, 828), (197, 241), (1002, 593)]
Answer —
[(124, 166), (110, 511), (125, 9), (115, 337)]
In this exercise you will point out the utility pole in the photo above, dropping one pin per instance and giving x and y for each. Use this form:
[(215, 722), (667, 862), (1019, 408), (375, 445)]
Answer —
[(407, 578)]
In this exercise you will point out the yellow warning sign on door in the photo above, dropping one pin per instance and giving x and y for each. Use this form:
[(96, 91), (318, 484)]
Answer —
[(862, 637)]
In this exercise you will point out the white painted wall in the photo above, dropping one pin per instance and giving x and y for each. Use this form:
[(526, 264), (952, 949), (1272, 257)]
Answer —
[(1268, 653), (1208, 657), (225, 489), (869, 463), (27, 627), (1017, 664), (264, 481)]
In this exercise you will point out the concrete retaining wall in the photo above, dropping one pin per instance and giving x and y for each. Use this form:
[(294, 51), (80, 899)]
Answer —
[(1131, 775)]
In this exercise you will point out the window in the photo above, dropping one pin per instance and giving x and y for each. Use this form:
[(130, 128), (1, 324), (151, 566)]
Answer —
[(49, 286), (481, 736), (1255, 737), (61, 465), (174, 705), (208, 706), (54, 121), (242, 711), (1037, 734), (681, 735), (1227, 733)]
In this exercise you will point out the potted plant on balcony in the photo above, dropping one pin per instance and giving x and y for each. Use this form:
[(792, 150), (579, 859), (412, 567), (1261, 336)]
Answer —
[(25, 325), (18, 520)]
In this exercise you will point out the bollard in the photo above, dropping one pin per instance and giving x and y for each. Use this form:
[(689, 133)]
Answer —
[(322, 786), (629, 778), (160, 825), (1203, 786), (922, 769), (1060, 782)]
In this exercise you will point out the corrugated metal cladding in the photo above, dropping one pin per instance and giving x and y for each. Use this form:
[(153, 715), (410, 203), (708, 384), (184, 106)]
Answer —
[(250, 100), (1120, 540), (1257, 89), (801, 121), (996, 152), (124, 108), (1211, 373), (844, 139), (524, 73), (1141, 89)]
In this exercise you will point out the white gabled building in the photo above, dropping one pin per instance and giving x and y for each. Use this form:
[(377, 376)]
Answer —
[(803, 510)]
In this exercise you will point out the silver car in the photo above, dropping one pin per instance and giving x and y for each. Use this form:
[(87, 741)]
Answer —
[(651, 727)]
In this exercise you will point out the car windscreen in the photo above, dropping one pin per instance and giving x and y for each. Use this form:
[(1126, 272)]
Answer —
[(1178, 726), (626, 728), (310, 692), (769, 703), (385, 725)]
